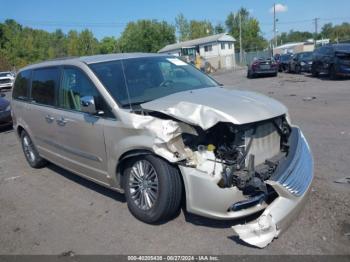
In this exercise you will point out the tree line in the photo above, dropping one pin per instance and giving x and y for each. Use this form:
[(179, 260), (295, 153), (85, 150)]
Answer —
[(21, 45)]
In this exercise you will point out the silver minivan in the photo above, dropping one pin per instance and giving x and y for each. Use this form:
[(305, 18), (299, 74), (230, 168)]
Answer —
[(159, 130)]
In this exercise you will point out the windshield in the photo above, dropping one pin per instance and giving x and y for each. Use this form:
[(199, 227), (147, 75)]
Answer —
[(285, 58), (6, 74), (306, 56), (139, 80)]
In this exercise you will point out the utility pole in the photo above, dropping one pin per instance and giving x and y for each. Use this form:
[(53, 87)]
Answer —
[(240, 38), (274, 25), (316, 28)]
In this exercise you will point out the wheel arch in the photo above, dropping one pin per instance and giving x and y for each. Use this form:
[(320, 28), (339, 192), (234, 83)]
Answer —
[(128, 155)]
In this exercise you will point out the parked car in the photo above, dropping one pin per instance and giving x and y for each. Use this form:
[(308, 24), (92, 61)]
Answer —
[(262, 66), (333, 60), (5, 112), (301, 62), (6, 80), (284, 61), (159, 130)]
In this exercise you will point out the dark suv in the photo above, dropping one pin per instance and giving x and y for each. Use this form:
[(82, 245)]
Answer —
[(333, 60)]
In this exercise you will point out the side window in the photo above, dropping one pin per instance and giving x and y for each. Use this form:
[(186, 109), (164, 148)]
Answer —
[(75, 85), (112, 77), (44, 84), (21, 86)]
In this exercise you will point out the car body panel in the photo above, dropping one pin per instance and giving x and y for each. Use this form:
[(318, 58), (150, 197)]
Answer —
[(208, 106), (5, 113)]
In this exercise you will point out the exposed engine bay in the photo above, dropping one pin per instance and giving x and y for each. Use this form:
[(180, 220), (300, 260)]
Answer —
[(248, 153)]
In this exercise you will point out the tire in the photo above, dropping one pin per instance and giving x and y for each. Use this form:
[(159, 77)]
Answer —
[(332, 73), (314, 72), (250, 75), (274, 74), (161, 193), (30, 152), (297, 69)]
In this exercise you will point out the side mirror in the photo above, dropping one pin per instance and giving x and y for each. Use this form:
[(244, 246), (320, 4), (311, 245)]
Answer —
[(88, 105)]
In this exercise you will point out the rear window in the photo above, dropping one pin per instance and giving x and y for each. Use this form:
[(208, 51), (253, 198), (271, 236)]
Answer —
[(44, 84), (21, 87)]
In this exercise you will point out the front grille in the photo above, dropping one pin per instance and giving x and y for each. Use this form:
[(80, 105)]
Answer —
[(5, 81), (266, 143), (298, 176)]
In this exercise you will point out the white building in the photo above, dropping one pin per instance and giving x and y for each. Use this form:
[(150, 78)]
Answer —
[(218, 50)]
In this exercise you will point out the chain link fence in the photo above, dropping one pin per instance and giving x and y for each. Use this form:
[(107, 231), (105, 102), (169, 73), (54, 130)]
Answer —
[(248, 57)]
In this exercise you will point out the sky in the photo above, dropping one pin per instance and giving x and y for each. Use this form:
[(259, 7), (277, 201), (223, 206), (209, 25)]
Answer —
[(109, 17)]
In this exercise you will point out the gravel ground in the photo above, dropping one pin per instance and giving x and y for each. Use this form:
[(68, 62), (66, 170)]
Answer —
[(52, 211)]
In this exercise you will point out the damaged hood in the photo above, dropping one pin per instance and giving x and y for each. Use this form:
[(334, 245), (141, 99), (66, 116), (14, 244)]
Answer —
[(207, 106)]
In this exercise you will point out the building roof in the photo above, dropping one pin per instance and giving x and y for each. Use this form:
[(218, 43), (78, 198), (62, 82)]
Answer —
[(91, 59), (198, 41)]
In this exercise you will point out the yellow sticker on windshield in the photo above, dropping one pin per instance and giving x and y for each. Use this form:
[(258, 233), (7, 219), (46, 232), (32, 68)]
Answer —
[(176, 61)]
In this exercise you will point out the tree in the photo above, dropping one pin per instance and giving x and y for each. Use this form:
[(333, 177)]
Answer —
[(294, 36), (183, 27), (73, 43), (146, 36), (337, 32), (58, 44), (108, 45), (200, 29), (219, 28), (87, 43), (251, 35)]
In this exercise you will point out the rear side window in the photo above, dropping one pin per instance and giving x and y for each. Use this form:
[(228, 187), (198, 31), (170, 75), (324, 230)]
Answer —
[(21, 87), (44, 85)]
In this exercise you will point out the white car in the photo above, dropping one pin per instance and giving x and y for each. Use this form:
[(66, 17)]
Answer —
[(6, 80)]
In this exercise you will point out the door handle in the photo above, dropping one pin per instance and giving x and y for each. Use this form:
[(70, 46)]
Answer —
[(49, 118), (61, 121)]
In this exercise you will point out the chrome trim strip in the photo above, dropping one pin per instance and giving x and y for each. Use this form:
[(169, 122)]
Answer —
[(299, 174), (71, 150)]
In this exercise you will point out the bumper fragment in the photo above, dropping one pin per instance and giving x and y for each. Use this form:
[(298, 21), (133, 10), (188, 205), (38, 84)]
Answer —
[(292, 196)]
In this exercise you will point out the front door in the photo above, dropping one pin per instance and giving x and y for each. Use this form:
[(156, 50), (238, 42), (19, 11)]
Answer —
[(81, 135)]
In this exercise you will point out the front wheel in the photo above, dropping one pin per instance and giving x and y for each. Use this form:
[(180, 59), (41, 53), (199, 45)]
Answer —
[(153, 188), (32, 156)]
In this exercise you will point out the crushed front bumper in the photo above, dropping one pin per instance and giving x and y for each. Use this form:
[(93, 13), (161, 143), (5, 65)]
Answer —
[(291, 182)]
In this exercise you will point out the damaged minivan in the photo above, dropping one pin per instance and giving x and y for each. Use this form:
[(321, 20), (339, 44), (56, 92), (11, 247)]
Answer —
[(161, 131)]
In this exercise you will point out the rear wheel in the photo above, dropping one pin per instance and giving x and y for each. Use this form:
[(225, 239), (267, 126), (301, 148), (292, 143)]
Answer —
[(332, 73), (153, 188), (314, 71), (30, 152)]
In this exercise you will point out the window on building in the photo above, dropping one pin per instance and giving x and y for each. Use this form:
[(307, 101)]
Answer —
[(45, 82), (229, 45), (222, 46), (208, 48)]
